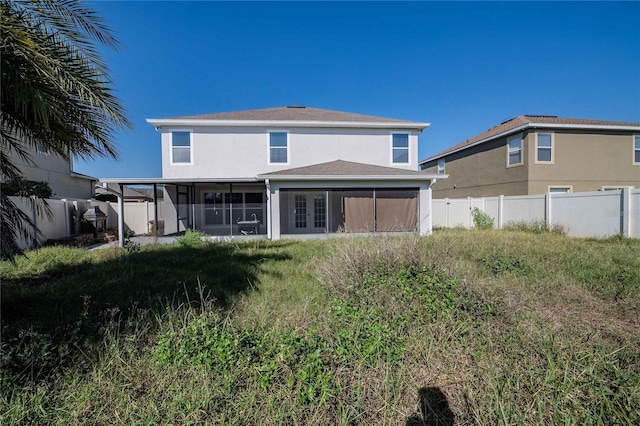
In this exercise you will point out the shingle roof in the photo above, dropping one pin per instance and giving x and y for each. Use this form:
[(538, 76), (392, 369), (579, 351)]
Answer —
[(344, 168), (293, 113), (522, 120)]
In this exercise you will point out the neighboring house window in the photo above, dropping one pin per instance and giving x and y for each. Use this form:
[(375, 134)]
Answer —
[(515, 151), (560, 189), (636, 150), (181, 147), (278, 148), (544, 151), (400, 148), (441, 166), (42, 148)]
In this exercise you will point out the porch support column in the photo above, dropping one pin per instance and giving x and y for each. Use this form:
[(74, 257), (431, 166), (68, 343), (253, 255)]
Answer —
[(274, 199), (268, 187), (121, 216), (155, 209), (425, 227)]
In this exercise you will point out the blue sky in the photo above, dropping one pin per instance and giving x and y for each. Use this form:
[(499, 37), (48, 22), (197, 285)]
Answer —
[(461, 66)]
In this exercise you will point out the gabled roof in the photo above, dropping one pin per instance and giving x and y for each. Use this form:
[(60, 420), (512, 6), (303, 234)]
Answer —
[(299, 116), (522, 122), (340, 169)]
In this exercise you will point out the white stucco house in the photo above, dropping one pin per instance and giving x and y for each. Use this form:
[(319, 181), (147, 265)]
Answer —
[(291, 170)]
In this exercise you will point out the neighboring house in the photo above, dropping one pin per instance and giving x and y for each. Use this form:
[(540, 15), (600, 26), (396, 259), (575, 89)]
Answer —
[(138, 195), (57, 172), (538, 154), (291, 170)]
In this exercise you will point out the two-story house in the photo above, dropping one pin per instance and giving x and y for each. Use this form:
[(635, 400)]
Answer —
[(538, 154), (291, 170)]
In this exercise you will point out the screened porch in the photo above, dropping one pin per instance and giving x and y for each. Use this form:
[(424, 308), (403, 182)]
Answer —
[(348, 210)]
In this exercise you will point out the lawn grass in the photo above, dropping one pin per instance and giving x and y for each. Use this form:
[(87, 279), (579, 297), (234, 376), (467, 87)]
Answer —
[(464, 327)]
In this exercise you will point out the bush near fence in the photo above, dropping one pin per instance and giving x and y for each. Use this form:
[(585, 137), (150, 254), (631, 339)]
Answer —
[(584, 214)]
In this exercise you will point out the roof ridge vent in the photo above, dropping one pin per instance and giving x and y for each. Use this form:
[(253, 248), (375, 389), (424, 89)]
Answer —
[(296, 106)]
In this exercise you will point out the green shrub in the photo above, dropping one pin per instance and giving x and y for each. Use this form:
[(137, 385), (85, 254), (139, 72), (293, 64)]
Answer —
[(28, 188), (481, 220), (191, 238)]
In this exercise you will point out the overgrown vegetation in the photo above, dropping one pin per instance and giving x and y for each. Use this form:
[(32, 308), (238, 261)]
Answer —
[(481, 220), (191, 238), (535, 227), (465, 327)]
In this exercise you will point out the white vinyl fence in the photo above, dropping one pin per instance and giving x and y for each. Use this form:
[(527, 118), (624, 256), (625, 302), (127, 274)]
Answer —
[(66, 216), (583, 214), (138, 217), (62, 222)]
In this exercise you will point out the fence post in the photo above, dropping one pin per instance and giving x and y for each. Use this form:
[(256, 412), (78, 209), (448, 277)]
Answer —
[(625, 214), (500, 210), (67, 222), (547, 208), (470, 211), (446, 212)]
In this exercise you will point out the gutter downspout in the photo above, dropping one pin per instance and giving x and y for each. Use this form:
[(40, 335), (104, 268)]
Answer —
[(268, 185), (121, 216)]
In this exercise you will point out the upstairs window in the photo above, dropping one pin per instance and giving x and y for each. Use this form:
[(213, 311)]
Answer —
[(42, 148), (181, 147), (636, 150), (514, 154), (278, 148), (441, 166), (544, 151), (400, 148)]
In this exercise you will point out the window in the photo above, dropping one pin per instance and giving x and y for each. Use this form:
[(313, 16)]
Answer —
[(636, 149), (400, 148), (441, 166), (544, 152), (278, 148), (514, 154), (560, 189), (42, 148), (181, 147)]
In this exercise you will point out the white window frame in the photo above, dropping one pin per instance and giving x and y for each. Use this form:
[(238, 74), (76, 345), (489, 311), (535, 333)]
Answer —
[(521, 149), (288, 147), (441, 166), (551, 148), (634, 140), (569, 188), (408, 148), (173, 163), (616, 187)]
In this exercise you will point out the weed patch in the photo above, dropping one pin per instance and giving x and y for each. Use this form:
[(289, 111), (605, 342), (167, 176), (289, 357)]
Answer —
[(535, 227), (499, 262)]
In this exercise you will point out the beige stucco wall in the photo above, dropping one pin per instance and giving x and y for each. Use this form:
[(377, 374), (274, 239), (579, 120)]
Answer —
[(244, 152), (481, 171), (56, 171), (585, 161)]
